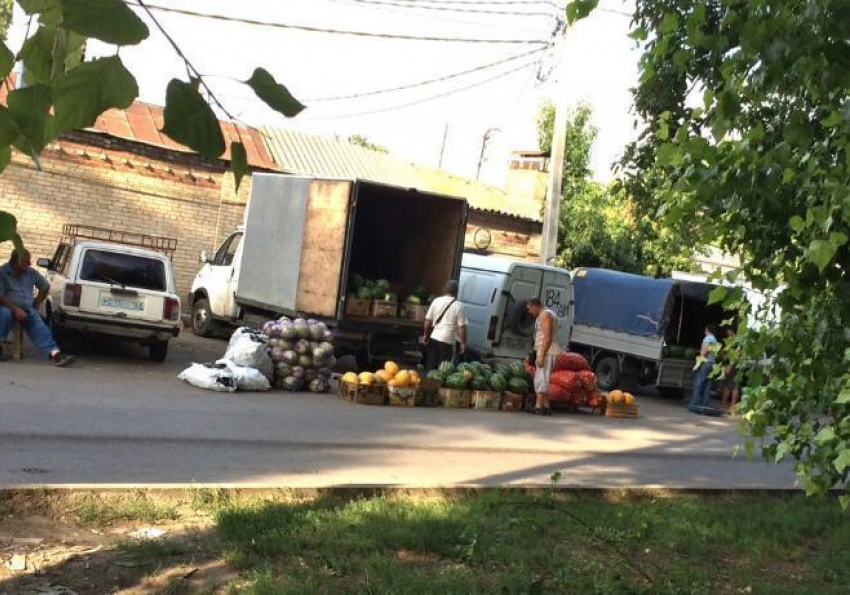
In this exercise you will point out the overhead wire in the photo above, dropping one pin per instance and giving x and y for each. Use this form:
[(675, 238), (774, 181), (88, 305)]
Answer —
[(425, 99), (428, 81), (440, 17), (488, 11), (313, 29)]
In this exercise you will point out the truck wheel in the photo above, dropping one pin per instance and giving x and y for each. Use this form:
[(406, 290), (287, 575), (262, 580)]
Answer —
[(203, 324), (608, 372), (159, 351)]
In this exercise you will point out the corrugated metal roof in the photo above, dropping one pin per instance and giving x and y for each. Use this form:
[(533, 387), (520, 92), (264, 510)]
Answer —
[(311, 155), (141, 122)]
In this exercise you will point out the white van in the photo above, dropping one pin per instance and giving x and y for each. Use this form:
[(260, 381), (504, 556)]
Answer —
[(493, 291)]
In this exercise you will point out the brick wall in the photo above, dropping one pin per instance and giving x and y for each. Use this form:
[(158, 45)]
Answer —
[(95, 180)]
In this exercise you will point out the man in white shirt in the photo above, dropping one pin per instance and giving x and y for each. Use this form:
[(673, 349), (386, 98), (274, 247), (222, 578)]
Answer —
[(444, 321)]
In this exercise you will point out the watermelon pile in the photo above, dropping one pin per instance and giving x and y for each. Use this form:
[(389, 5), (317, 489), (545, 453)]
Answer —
[(481, 377)]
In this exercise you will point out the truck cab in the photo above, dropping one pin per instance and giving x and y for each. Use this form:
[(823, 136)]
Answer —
[(212, 299), (493, 291)]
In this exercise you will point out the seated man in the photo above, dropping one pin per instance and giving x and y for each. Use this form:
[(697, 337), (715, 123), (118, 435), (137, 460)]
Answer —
[(17, 283)]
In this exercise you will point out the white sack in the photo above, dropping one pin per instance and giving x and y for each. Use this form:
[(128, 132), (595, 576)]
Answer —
[(209, 377)]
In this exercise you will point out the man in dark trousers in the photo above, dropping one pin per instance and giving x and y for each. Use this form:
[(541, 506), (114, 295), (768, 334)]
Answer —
[(444, 322)]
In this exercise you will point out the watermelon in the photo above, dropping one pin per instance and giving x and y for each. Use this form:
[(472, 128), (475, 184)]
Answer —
[(498, 382), (518, 370), (503, 369), (455, 381), (517, 385), (487, 369), (435, 375), (446, 368), (465, 367)]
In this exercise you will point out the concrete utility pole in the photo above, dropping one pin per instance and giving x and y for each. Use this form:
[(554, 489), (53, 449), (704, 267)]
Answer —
[(551, 214)]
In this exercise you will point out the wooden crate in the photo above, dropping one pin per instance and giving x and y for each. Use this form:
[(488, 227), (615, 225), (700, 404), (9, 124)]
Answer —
[(429, 393), (415, 312), (402, 397), (486, 400), (513, 402), (354, 306), (455, 398), (382, 309), (363, 395), (621, 410)]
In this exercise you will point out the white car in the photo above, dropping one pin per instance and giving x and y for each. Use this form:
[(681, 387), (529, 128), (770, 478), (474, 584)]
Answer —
[(112, 289)]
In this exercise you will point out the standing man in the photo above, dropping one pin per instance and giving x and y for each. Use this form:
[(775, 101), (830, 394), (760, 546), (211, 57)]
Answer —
[(702, 383), (18, 281), (444, 321), (546, 350)]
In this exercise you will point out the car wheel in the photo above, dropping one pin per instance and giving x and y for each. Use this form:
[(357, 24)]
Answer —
[(159, 351), (203, 324), (608, 372)]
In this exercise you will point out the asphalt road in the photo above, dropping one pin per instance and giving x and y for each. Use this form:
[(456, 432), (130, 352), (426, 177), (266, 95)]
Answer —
[(115, 418)]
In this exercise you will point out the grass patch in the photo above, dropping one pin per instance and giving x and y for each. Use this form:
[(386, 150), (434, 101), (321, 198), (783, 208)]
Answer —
[(132, 507), (504, 542), (151, 551)]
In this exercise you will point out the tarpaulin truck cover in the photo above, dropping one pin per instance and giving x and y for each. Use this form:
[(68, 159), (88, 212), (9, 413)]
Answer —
[(621, 302)]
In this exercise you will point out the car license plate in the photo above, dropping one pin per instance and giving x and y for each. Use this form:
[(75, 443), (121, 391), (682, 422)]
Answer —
[(108, 301)]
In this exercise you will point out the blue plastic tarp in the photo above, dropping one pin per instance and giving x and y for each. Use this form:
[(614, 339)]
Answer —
[(621, 302)]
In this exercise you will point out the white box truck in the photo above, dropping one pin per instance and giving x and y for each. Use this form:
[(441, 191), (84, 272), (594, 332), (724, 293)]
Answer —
[(304, 237)]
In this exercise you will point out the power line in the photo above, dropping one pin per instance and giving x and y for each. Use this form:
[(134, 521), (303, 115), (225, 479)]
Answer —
[(484, 2), (429, 81), (440, 17), (311, 29), (426, 99), (418, 6)]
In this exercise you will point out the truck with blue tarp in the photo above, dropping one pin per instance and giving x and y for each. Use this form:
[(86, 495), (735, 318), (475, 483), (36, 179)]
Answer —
[(637, 330)]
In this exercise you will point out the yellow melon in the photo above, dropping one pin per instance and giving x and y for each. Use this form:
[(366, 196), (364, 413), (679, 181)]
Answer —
[(396, 383), (391, 368), (350, 378), (414, 375), (616, 396), (367, 378), (382, 377), (403, 378), (628, 399)]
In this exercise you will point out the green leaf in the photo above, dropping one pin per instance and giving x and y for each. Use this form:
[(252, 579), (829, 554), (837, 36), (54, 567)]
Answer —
[(29, 110), (669, 23), (797, 223), (842, 461), (827, 434), (275, 95), (579, 9), (821, 252), (238, 162), (639, 34), (111, 21), (832, 120), (84, 93), (663, 131), (837, 238), (668, 154), (7, 60), (190, 121), (8, 130), (716, 295), (844, 500), (37, 55), (844, 395), (49, 10), (781, 451), (5, 158), (9, 230)]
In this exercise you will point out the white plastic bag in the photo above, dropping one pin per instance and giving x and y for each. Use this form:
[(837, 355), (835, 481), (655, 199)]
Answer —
[(248, 379), (241, 332), (210, 377), (250, 351)]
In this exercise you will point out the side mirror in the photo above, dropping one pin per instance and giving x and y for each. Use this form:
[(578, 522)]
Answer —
[(45, 263), (204, 259)]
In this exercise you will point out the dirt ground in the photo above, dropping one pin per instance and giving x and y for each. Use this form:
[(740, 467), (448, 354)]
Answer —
[(54, 543)]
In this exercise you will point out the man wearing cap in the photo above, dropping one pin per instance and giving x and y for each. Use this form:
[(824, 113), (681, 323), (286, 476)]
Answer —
[(18, 301), (444, 322)]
